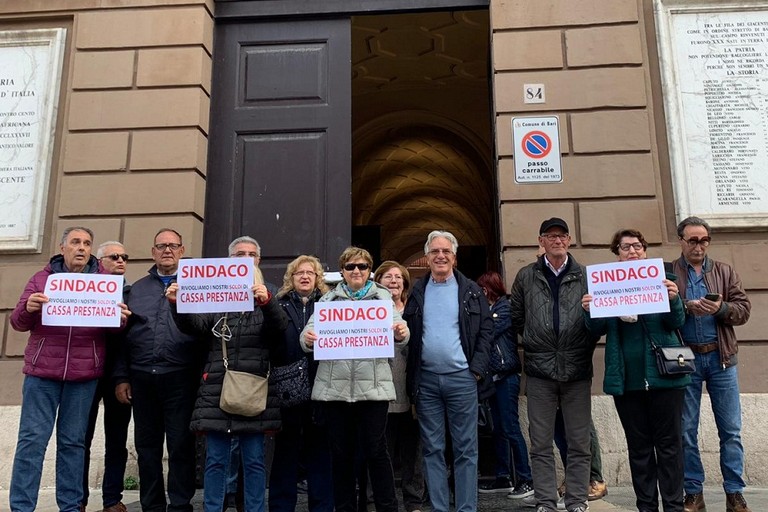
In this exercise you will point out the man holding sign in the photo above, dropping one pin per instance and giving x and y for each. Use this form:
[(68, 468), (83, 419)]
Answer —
[(62, 364)]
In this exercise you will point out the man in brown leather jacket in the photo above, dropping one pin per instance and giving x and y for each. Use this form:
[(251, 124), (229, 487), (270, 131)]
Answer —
[(715, 302)]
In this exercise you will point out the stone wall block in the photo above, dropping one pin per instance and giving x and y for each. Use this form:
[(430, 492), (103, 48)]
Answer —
[(520, 222), (174, 66), (128, 28), (94, 151), (95, 110), (103, 229), (134, 193), (103, 70), (622, 130), (586, 177), (751, 265), (601, 46), (527, 50), (600, 220), (573, 89), (552, 13), (169, 149), (140, 232)]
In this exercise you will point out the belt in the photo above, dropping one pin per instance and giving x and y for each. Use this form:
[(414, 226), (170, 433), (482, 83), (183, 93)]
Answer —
[(704, 348)]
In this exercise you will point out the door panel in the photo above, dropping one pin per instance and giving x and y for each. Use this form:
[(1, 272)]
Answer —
[(280, 140)]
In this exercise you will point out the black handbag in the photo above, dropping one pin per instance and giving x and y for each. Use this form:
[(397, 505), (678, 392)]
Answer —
[(672, 361), (290, 383), (484, 418)]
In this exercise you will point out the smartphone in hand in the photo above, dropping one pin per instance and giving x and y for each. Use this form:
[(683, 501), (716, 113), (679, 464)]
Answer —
[(714, 297)]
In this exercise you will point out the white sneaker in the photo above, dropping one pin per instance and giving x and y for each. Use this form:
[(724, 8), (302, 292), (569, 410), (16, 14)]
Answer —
[(561, 503), (529, 501)]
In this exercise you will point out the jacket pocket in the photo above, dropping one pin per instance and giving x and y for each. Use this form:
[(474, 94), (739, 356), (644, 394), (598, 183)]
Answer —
[(40, 345)]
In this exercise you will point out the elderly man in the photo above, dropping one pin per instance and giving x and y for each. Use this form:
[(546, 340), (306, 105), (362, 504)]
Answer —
[(62, 366), (546, 311), (159, 375), (117, 416), (451, 334), (715, 301), (245, 246)]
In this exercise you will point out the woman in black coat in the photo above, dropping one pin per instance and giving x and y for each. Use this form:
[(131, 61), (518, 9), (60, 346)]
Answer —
[(303, 438), (250, 339)]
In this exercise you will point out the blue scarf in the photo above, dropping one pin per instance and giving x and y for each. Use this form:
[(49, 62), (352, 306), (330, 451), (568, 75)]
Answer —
[(359, 294)]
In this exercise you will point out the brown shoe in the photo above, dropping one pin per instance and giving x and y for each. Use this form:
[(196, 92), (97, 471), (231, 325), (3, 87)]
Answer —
[(117, 507), (735, 502), (694, 503), (597, 490)]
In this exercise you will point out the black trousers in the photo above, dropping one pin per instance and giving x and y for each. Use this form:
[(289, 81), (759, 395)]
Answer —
[(162, 409), (353, 426), (117, 416), (652, 422)]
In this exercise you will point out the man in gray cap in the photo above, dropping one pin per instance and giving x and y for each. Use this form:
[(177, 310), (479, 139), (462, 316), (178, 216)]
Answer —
[(547, 313)]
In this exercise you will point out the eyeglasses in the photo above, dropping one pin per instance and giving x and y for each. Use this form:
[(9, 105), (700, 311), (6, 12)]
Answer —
[(243, 254), (116, 256), (556, 236), (163, 247), (302, 273), (636, 246), (391, 277), (349, 267), (693, 241), (444, 252)]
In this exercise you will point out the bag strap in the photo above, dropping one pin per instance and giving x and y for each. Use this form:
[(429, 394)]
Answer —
[(654, 346), (224, 342)]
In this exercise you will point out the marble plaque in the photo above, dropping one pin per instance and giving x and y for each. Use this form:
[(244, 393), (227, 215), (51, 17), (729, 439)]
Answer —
[(30, 76), (714, 61)]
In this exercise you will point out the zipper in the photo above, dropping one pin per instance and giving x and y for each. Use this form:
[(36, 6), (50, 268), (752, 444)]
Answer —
[(66, 358), (37, 352), (95, 354)]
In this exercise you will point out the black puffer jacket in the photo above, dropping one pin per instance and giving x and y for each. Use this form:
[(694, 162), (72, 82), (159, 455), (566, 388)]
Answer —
[(254, 335), (565, 355)]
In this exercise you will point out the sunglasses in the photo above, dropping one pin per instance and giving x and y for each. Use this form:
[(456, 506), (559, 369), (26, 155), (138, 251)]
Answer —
[(116, 256), (349, 267)]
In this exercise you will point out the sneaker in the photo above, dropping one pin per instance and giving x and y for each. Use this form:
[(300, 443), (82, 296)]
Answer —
[(561, 503), (597, 490), (694, 502), (529, 501), (735, 502), (521, 490), (580, 508), (499, 485)]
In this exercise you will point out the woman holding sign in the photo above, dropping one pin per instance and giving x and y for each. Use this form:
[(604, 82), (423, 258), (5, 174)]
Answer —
[(356, 394), (250, 338), (649, 405)]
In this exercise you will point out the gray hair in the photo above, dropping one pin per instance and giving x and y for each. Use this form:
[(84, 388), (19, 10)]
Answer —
[(442, 234), (692, 221), (244, 240), (68, 230), (100, 250)]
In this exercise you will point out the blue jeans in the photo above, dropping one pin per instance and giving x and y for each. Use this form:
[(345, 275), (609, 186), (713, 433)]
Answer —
[(41, 399), (217, 464), (506, 433), (452, 396), (723, 389)]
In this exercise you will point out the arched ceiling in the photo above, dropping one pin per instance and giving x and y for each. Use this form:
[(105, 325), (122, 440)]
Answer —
[(430, 166)]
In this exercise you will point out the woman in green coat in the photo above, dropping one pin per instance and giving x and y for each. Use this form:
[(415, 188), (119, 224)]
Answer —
[(650, 405)]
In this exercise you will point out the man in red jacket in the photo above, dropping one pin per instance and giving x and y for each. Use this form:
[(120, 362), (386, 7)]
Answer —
[(62, 366)]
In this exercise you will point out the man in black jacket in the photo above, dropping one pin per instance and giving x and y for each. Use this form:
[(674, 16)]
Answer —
[(546, 311), (451, 333), (159, 374)]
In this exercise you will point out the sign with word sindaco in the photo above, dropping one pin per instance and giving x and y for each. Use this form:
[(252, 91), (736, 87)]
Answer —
[(83, 300), (354, 329), (215, 285), (537, 150), (627, 288)]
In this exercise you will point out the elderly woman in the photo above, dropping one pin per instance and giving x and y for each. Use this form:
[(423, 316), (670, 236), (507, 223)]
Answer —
[(356, 394), (303, 431), (402, 427), (650, 406), (249, 338)]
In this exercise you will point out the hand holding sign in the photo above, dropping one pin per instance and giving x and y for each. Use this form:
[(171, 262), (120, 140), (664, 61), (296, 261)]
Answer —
[(35, 302)]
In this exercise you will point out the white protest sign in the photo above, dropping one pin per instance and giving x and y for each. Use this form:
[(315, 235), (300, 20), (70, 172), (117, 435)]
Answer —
[(83, 300), (627, 288), (354, 329), (214, 285)]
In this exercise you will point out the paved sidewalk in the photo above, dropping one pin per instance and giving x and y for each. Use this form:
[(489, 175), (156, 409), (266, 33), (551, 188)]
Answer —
[(619, 499)]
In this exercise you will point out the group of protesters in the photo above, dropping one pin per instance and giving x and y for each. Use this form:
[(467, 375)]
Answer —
[(455, 350)]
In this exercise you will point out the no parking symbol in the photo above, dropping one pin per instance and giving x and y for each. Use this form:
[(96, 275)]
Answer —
[(537, 150)]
